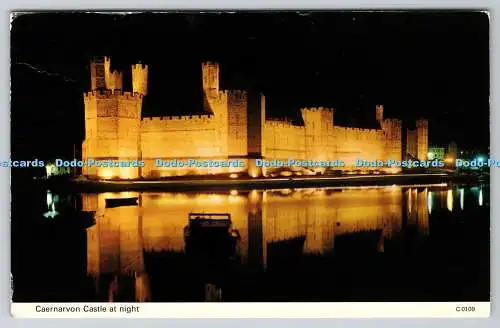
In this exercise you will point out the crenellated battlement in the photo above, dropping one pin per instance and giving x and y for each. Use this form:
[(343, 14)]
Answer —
[(318, 109), (180, 124), (317, 117), (220, 98), (108, 94), (209, 63), (393, 122), (113, 78), (282, 123), (422, 123), (357, 130), (235, 94), (203, 118), (140, 78), (279, 120), (140, 66)]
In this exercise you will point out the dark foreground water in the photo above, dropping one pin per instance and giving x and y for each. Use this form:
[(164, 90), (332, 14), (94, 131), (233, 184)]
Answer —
[(398, 243)]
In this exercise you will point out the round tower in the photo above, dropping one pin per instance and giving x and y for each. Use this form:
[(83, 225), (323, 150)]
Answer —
[(140, 78)]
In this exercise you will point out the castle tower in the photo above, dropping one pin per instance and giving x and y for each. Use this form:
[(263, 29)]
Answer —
[(97, 73), (256, 119), (140, 79), (117, 80), (112, 128), (411, 144), (113, 79), (318, 126), (210, 79), (379, 112), (393, 140), (107, 72), (422, 139), (237, 110)]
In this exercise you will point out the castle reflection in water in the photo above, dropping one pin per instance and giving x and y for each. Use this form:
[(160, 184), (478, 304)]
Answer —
[(116, 244)]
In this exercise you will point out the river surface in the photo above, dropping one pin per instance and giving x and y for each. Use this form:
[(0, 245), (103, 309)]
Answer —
[(388, 243)]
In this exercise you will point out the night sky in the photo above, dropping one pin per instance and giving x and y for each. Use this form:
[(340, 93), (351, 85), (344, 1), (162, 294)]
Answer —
[(418, 64)]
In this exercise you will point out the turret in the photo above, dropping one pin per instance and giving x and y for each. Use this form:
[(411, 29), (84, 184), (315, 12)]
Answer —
[(210, 77), (113, 79), (97, 73), (140, 78), (379, 112), (107, 72)]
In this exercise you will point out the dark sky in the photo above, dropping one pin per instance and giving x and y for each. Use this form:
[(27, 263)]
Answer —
[(418, 64)]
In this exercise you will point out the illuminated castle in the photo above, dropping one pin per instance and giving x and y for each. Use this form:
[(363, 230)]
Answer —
[(233, 126)]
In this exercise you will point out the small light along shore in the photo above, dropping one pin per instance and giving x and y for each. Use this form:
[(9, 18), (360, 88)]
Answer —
[(225, 183)]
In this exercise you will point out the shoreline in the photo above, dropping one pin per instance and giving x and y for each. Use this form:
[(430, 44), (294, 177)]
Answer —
[(254, 183)]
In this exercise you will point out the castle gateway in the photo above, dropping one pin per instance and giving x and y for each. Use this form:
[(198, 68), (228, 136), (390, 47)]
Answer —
[(232, 127)]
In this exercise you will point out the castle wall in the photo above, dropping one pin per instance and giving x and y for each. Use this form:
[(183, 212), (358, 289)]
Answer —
[(283, 140), (350, 144), (178, 137), (320, 139)]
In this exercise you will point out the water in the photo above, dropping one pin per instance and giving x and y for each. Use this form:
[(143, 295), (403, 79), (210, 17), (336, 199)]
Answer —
[(397, 243)]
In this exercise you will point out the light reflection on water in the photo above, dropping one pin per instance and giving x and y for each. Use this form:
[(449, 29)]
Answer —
[(449, 200), (462, 198), (429, 202), (52, 201), (115, 244), (316, 222)]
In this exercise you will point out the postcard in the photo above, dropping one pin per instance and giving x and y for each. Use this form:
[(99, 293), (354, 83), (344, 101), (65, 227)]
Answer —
[(250, 164)]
